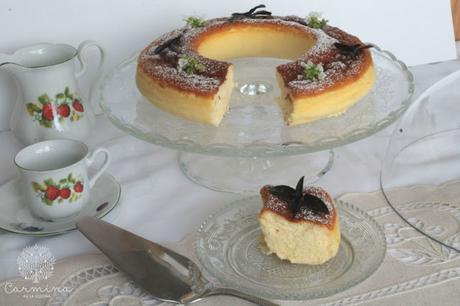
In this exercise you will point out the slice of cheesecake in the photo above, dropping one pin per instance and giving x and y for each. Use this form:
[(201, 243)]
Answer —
[(300, 225)]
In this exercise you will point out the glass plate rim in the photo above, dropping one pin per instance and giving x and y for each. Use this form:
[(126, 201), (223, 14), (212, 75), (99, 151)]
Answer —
[(341, 205), (258, 150)]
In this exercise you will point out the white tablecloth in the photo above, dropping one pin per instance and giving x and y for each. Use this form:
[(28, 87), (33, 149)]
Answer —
[(159, 203)]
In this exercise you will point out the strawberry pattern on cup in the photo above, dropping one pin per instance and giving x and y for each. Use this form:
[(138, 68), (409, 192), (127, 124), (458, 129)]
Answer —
[(66, 105), (66, 189)]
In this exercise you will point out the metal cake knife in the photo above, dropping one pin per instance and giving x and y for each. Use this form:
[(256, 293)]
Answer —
[(165, 274)]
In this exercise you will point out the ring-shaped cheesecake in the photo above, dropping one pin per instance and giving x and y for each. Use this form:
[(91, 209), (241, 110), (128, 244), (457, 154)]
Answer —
[(343, 66)]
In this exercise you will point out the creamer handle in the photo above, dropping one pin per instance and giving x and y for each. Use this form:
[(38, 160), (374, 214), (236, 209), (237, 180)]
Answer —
[(84, 45)]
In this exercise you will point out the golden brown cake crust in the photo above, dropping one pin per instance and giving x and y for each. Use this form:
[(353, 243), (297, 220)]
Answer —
[(163, 69), (340, 69), (276, 205)]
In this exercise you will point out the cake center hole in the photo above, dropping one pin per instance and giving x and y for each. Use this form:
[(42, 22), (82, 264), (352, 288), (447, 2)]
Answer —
[(255, 88)]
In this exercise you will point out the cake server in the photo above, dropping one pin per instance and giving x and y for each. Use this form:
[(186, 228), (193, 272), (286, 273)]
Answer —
[(167, 275)]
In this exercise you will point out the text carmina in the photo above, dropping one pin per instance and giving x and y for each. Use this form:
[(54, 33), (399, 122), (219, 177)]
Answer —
[(10, 288)]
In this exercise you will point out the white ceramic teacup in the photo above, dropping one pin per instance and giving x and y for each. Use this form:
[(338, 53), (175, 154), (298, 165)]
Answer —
[(54, 176)]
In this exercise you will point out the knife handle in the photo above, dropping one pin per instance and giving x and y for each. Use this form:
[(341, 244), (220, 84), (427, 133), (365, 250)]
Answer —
[(241, 295)]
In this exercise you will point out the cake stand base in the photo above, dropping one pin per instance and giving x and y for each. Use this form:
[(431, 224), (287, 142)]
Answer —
[(247, 175)]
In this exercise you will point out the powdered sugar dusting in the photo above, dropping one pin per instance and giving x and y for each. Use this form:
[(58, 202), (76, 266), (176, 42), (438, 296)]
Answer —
[(336, 68), (323, 43), (277, 205), (187, 81), (165, 66)]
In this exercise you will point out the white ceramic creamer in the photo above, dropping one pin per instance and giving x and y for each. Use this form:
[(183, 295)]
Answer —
[(49, 104)]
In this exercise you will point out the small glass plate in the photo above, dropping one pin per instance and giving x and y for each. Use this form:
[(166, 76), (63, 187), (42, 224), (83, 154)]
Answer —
[(228, 248)]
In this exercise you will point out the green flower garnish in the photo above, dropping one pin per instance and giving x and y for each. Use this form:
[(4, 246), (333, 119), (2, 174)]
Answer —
[(194, 22), (190, 65), (312, 71), (315, 21)]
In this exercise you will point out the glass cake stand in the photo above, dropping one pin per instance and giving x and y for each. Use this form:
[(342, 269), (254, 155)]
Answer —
[(253, 145)]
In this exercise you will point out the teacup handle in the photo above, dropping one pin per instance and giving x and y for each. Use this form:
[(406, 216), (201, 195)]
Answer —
[(90, 159), (84, 45)]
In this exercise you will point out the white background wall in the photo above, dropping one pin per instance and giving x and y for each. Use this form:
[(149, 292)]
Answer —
[(416, 31)]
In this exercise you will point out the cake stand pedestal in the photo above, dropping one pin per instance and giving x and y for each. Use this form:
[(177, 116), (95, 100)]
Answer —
[(246, 174), (253, 146)]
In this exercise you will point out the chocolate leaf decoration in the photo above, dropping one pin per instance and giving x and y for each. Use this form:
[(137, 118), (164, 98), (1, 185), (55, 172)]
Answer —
[(285, 193), (252, 13), (167, 44), (255, 8), (351, 50), (294, 206), (296, 199), (314, 203), (299, 187)]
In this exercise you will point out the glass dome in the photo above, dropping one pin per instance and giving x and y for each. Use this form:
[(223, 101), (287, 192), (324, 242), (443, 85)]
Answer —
[(420, 174)]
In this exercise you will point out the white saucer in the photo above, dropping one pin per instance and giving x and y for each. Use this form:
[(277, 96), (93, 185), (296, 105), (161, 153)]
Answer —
[(16, 217)]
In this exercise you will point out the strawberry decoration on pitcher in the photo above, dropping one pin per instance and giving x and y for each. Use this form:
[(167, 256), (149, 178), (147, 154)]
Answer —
[(78, 187), (65, 105), (50, 104), (78, 106), (63, 110)]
